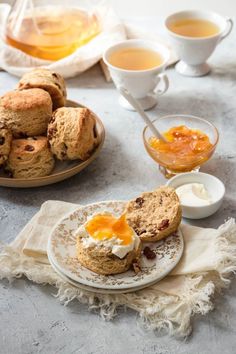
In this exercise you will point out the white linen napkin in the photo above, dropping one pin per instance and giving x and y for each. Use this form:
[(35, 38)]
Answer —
[(18, 63), (208, 260)]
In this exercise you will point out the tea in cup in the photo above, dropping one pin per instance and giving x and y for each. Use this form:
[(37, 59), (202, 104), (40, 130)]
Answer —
[(194, 36), (138, 66)]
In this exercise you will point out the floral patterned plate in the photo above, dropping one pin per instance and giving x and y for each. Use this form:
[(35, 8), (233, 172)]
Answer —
[(92, 288), (62, 253)]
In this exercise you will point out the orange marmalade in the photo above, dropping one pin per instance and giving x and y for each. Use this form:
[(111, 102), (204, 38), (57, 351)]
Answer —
[(105, 226), (184, 149)]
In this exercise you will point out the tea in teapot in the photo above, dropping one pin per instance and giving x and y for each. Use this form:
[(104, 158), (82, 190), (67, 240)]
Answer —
[(50, 32)]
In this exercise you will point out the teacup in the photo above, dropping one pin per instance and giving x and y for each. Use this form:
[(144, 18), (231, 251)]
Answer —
[(142, 84), (194, 51)]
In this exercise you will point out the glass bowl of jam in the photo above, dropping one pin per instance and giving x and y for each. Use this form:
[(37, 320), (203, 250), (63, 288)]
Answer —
[(189, 142)]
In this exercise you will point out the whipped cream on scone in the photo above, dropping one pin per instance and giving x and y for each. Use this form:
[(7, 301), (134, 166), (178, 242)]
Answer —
[(119, 243)]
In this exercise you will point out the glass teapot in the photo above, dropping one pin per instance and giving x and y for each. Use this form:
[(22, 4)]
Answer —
[(53, 29)]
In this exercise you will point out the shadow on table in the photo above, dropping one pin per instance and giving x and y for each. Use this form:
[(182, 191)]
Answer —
[(223, 167), (226, 72), (92, 78), (222, 317), (98, 176)]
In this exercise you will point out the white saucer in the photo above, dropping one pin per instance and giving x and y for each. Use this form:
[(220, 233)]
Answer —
[(192, 70), (62, 253)]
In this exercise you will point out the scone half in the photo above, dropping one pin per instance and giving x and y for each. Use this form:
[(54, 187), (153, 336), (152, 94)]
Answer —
[(155, 215), (102, 261)]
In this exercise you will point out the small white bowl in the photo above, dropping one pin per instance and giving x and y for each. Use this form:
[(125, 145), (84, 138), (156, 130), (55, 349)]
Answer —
[(214, 186)]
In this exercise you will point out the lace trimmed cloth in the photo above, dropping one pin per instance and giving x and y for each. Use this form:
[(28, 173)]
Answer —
[(208, 261)]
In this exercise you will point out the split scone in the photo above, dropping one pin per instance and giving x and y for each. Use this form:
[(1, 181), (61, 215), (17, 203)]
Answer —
[(47, 80), (26, 112), (30, 158), (5, 143), (108, 245), (155, 215), (72, 133)]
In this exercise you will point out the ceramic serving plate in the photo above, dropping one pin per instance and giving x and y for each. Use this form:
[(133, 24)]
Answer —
[(92, 288), (62, 253), (62, 169)]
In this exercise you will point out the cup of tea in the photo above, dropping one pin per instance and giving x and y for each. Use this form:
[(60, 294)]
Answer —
[(194, 36), (138, 66)]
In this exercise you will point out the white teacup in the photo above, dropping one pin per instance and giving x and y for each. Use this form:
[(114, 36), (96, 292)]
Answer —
[(194, 51), (142, 84)]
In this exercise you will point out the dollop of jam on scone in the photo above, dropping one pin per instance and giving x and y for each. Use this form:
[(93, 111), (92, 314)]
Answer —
[(108, 245)]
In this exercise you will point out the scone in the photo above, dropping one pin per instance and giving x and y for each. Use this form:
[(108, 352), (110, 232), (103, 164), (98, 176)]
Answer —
[(30, 158), (107, 255), (155, 215), (102, 261), (72, 133), (5, 143), (26, 112), (47, 80)]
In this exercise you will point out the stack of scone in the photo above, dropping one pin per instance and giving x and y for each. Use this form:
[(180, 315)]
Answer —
[(107, 245), (36, 127)]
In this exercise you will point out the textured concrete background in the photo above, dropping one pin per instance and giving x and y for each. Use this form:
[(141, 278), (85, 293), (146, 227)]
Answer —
[(31, 319)]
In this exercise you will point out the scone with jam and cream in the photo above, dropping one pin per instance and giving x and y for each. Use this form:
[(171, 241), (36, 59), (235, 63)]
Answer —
[(108, 245)]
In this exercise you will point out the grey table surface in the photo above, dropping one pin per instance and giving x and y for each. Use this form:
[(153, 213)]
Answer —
[(31, 319)]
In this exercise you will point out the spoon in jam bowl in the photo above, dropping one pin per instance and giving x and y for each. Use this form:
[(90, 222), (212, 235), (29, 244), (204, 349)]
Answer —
[(136, 105)]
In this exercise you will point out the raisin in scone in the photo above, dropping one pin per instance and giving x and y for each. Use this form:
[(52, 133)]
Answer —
[(47, 80), (155, 215), (26, 112), (72, 133), (30, 158), (5, 143)]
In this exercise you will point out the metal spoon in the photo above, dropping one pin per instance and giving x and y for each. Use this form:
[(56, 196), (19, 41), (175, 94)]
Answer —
[(136, 105)]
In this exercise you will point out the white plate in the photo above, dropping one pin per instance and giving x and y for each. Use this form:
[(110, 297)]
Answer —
[(62, 253)]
